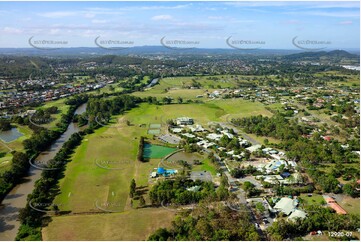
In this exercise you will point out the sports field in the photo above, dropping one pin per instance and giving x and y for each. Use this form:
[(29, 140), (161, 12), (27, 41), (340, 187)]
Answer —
[(156, 151)]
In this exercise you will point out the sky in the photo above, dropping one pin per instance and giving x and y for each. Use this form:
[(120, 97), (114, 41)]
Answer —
[(268, 25)]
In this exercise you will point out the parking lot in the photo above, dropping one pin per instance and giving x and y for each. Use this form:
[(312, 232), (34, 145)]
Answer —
[(168, 138), (201, 175)]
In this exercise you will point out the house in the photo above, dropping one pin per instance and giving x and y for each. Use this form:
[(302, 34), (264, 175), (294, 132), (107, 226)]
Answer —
[(213, 136), (229, 135), (184, 121), (189, 135), (297, 214), (334, 205), (205, 144), (273, 179), (198, 128), (194, 188), (253, 148), (177, 130), (285, 174), (286, 205)]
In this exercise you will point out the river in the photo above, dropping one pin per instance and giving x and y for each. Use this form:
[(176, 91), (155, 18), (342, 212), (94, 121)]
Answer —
[(17, 197)]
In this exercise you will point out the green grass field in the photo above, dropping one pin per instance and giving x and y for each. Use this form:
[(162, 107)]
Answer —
[(179, 86), (101, 184), (205, 166), (62, 108), (130, 225), (351, 205), (316, 199), (156, 151)]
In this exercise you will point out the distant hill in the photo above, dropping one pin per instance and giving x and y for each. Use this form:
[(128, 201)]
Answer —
[(141, 50), (80, 52), (322, 54)]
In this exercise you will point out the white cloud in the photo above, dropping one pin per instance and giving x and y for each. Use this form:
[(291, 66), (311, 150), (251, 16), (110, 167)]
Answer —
[(10, 30), (161, 17), (346, 22), (339, 14), (99, 21), (57, 14), (215, 17)]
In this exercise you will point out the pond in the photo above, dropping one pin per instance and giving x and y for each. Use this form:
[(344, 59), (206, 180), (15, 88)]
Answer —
[(10, 135), (156, 151)]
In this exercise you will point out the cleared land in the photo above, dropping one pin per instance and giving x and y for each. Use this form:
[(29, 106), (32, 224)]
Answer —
[(129, 225), (86, 184)]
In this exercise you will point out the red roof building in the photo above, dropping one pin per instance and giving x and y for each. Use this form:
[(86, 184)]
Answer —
[(335, 206)]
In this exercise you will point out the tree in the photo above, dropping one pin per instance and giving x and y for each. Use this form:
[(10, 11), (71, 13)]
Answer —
[(161, 234), (55, 209), (247, 186), (237, 173), (132, 188), (180, 100), (167, 100), (141, 201), (4, 125), (349, 189)]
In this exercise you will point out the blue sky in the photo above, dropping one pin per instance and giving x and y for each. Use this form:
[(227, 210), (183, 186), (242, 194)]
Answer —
[(209, 23)]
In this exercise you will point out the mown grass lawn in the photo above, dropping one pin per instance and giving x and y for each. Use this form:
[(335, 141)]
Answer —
[(136, 224), (316, 199)]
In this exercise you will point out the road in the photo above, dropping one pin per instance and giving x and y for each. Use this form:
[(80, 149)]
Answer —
[(240, 193)]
